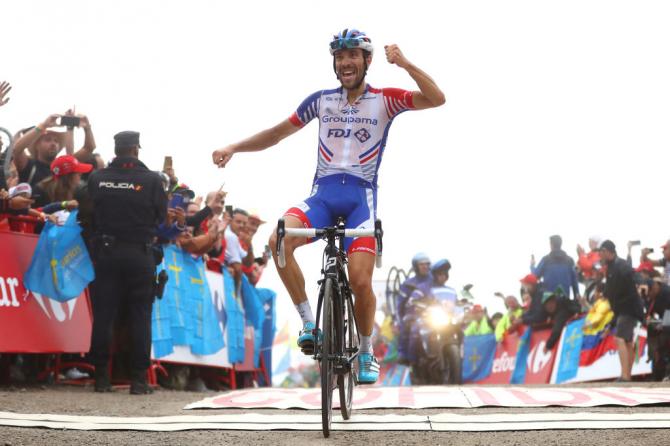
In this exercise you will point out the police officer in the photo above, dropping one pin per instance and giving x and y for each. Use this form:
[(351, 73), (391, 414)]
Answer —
[(129, 202)]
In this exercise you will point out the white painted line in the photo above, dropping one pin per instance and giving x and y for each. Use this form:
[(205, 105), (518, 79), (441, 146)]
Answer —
[(362, 422)]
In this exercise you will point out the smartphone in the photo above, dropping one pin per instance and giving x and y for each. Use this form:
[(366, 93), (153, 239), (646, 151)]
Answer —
[(177, 201), (70, 121), (229, 210), (634, 243), (167, 163)]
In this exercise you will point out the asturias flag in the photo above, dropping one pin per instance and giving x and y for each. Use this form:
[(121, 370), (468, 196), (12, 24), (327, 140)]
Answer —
[(478, 354), (570, 351)]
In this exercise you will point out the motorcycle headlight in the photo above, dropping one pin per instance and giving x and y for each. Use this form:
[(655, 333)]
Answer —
[(438, 317)]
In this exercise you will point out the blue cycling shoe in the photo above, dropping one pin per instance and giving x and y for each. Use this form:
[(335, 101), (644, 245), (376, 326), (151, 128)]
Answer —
[(368, 368), (306, 338)]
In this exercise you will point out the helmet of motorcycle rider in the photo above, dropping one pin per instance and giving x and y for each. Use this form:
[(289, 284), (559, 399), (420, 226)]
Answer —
[(440, 266), (419, 257)]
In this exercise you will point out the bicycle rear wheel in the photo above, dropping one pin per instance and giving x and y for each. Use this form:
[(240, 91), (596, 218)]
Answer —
[(345, 382), (327, 350)]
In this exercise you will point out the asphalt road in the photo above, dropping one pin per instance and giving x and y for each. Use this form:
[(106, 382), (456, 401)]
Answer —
[(83, 401)]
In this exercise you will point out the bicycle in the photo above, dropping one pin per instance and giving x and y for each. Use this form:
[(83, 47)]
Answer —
[(337, 348)]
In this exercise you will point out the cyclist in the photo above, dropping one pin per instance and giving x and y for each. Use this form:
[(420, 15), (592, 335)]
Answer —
[(421, 277), (354, 120)]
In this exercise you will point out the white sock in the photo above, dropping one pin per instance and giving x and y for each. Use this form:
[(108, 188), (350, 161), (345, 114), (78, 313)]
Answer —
[(305, 312), (366, 344)]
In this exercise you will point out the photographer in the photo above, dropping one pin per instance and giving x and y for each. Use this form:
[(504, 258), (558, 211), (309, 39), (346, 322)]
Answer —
[(664, 261), (44, 144)]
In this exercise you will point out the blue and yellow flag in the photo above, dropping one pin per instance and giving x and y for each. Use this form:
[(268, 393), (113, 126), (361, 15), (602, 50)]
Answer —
[(478, 354)]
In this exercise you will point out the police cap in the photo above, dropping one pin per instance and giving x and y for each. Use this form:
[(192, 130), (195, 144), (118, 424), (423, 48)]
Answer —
[(124, 140)]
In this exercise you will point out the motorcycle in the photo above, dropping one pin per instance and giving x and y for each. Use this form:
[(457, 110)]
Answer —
[(438, 325)]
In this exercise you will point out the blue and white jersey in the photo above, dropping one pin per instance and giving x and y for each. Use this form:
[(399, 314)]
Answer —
[(352, 137)]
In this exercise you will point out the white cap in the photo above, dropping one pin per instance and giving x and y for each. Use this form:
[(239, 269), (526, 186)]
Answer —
[(21, 188)]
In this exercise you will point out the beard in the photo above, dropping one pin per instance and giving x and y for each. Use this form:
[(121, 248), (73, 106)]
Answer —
[(355, 83)]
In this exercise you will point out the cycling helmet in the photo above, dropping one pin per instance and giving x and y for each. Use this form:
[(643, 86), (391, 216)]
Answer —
[(351, 38), (439, 266), (420, 257)]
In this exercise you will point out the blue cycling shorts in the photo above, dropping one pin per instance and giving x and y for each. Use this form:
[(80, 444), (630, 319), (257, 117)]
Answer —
[(341, 195)]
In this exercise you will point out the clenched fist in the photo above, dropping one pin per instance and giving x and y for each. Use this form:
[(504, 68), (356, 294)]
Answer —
[(395, 56)]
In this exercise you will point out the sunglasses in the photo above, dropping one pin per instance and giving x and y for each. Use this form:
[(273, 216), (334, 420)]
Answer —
[(344, 43)]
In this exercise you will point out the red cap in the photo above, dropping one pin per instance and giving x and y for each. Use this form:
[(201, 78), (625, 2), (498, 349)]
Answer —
[(530, 279), (64, 165), (476, 308), (647, 267)]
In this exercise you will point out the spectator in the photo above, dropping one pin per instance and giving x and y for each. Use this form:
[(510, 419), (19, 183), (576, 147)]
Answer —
[(8, 203), (236, 255), (532, 292), (556, 269), (600, 314), (44, 144), (421, 277), (255, 271), (495, 320), (507, 322), (60, 188), (626, 303), (657, 297), (559, 309), (664, 262), (192, 209), (587, 261), (479, 324)]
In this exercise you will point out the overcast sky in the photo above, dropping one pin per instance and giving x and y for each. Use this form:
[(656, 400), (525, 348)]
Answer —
[(556, 118)]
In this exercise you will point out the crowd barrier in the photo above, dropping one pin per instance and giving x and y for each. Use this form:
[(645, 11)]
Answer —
[(522, 359), (243, 320)]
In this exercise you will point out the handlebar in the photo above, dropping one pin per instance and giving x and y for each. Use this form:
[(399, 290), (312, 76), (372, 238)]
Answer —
[(283, 231)]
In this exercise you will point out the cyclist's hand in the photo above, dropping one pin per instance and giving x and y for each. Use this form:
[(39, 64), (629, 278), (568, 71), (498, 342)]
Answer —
[(395, 56), (221, 157)]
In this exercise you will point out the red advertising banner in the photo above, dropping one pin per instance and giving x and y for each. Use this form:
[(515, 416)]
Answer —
[(30, 322), (539, 364)]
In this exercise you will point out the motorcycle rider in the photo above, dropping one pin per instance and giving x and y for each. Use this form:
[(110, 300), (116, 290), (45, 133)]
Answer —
[(436, 289), (421, 277)]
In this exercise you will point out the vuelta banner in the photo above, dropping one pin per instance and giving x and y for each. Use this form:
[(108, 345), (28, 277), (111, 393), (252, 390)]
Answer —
[(574, 359), (31, 322), (538, 363)]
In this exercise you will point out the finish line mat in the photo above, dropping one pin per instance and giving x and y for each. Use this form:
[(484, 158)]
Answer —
[(425, 397), (307, 422)]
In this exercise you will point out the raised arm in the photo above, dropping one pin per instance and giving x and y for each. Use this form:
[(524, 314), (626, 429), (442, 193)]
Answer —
[(86, 152), (28, 138), (260, 141), (429, 94)]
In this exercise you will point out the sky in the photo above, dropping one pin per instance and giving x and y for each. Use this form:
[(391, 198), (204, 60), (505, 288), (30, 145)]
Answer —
[(556, 119)]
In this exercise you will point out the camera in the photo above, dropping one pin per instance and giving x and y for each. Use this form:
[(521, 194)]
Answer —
[(70, 121)]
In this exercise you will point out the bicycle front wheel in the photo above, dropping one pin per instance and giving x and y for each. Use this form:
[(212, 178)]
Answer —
[(327, 351)]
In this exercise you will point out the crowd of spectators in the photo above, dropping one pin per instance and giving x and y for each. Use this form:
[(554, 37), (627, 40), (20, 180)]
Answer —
[(609, 289), (47, 179)]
